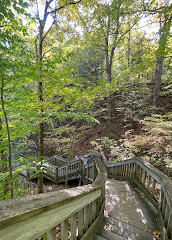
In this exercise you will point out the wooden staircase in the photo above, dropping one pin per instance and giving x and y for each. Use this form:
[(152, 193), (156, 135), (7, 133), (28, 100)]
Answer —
[(137, 195)]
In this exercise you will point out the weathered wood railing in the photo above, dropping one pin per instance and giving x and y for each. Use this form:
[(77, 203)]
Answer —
[(77, 210), (58, 167), (156, 186)]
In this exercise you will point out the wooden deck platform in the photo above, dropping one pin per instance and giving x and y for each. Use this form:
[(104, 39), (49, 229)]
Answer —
[(128, 214)]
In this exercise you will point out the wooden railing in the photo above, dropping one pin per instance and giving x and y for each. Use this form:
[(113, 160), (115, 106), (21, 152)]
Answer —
[(74, 166), (156, 186), (77, 210), (57, 172)]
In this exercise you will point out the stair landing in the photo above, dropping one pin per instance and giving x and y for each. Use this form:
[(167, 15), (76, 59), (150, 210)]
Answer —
[(128, 214)]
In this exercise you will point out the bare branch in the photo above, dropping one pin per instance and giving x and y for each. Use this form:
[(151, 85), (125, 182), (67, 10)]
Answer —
[(49, 50), (153, 11), (65, 5), (48, 30), (54, 11), (36, 49), (46, 13)]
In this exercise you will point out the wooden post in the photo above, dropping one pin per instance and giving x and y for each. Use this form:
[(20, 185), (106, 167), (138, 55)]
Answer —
[(144, 179), (73, 226), (169, 226), (80, 223), (166, 216), (98, 206), (87, 173), (161, 199), (90, 214), (140, 175), (135, 170), (64, 230), (51, 235), (164, 206), (94, 211), (153, 187), (86, 211), (148, 185)]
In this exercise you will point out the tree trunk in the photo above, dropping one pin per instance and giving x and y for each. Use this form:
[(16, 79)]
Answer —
[(3, 165), (9, 140), (41, 130), (157, 80), (164, 34)]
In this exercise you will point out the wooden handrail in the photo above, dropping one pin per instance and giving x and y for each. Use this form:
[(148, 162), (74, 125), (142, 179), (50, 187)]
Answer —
[(30, 217), (156, 186)]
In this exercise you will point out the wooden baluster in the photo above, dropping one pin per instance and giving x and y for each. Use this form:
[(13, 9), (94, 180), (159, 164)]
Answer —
[(126, 170), (94, 211), (123, 170), (136, 171), (98, 206), (90, 214), (87, 173), (144, 179), (132, 170), (64, 230), (153, 187), (93, 170), (140, 173), (164, 207), (118, 171), (51, 235), (166, 216), (86, 212), (148, 185), (80, 223), (73, 226), (161, 199), (169, 226)]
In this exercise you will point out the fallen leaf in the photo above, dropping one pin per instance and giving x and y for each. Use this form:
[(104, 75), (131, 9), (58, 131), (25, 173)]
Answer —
[(157, 234), (124, 221)]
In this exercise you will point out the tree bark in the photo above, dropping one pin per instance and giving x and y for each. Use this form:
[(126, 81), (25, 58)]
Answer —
[(9, 140), (41, 129), (164, 34), (3, 165)]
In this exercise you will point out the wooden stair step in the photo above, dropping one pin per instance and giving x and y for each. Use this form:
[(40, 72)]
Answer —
[(99, 238), (109, 235)]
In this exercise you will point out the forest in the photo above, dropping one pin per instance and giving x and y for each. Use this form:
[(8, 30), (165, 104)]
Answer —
[(83, 75)]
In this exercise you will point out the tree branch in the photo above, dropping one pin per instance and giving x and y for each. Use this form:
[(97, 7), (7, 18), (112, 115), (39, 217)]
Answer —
[(155, 10), (49, 50), (65, 5)]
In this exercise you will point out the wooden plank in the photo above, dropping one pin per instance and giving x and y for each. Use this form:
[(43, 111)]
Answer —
[(169, 226), (64, 230), (91, 231), (73, 226), (153, 187), (86, 218), (51, 235), (80, 223)]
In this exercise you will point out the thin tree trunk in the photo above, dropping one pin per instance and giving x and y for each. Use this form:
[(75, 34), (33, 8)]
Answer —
[(41, 129), (157, 80), (164, 34), (3, 166), (9, 140)]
